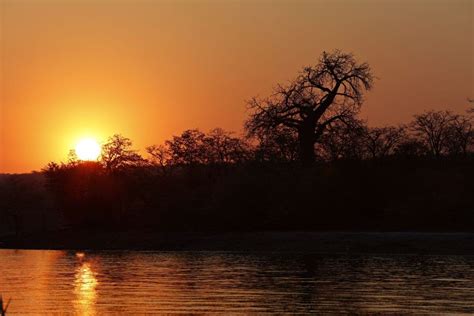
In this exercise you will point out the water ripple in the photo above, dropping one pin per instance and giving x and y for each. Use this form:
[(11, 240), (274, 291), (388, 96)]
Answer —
[(91, 283)]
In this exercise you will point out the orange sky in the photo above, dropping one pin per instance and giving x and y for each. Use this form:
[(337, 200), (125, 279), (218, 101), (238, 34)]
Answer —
[(150, 69)]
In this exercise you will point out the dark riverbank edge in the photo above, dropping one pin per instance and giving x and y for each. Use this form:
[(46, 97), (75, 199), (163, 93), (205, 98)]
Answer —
[(454, 243)]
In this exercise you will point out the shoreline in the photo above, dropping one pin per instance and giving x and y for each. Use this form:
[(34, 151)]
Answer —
[(435, 243)]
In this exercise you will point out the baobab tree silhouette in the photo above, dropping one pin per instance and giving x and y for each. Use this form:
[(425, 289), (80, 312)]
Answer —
[(321, 95)]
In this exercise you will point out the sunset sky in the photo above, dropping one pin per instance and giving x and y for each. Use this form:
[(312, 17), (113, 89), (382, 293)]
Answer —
[(150, 69)]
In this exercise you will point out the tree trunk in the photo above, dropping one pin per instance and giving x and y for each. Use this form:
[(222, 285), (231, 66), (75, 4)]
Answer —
[(306, 145)]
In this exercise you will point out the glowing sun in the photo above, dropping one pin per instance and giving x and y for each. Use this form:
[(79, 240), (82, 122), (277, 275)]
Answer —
[(88, 149)]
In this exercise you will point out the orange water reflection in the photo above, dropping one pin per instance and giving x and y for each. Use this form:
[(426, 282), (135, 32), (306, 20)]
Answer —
[(138, 283), (85, 284)]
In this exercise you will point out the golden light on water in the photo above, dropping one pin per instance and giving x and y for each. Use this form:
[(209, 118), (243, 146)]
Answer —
[(85, 290)]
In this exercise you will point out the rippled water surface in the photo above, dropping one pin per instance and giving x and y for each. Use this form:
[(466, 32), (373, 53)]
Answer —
[(42, 282)]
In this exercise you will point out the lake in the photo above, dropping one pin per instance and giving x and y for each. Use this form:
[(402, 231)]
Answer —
[(134, 282)]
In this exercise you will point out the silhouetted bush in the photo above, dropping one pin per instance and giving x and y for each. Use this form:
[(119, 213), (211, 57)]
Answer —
[(415, 177), (386, 178)]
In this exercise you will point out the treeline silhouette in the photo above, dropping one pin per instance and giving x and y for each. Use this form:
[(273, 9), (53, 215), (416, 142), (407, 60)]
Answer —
[(306, 162)]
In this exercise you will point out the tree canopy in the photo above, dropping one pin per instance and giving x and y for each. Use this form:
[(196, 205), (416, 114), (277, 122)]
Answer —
[(330, 91)]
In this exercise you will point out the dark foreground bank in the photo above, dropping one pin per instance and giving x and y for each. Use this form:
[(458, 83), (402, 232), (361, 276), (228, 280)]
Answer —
[(382, 195), (320, 242)]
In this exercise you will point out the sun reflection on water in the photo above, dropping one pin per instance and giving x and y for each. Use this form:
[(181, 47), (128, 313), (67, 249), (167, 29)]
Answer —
[(157, 283), (85, 284)]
